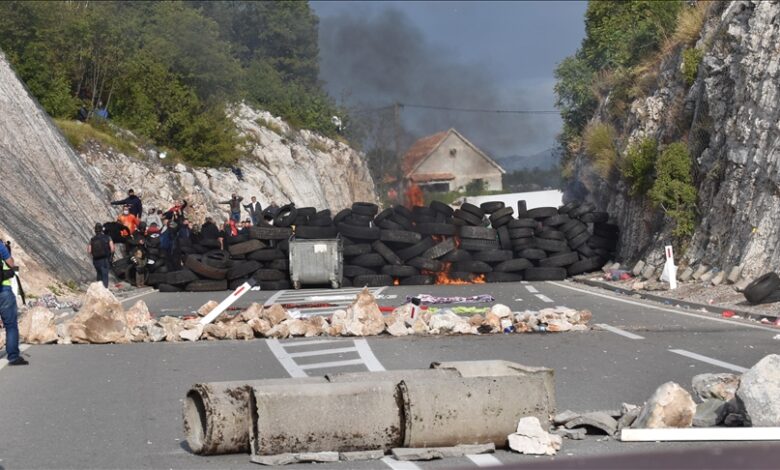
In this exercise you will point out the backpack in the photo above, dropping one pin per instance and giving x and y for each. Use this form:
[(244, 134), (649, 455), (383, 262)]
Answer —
[(100, 247)]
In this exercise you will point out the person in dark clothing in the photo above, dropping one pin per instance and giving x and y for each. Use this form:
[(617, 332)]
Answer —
[(244, 230), (255, 210), (136, 206), (101, 248), (235, 206), (209, 230), (176, 213), (271, 211), (82, 115)]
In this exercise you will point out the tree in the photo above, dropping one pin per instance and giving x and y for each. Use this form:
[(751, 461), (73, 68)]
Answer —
[(574, 92)]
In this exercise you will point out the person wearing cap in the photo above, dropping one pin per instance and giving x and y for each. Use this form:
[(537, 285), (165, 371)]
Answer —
[(101, 248), (136, 207), (9, 310)]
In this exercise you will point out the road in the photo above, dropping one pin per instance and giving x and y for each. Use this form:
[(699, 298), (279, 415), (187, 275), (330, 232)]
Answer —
[(119, 406)]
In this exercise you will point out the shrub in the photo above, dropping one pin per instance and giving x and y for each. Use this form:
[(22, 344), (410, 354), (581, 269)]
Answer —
[(78, 133), (690, 66), (600, 147), (639, 164), (673, 189), (690, 21)]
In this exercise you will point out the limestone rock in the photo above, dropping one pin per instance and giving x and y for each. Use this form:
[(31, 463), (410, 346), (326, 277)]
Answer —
[(398, 329), (36, 326), (244, 331), (531, 439), (759, 390), (155, 333), (275, 314), (419, 327), (564, 417), (207, 307), (316, 326), (296, 327), (138, 316), (671, 406), (172, 327), (214, 331), (279, 331), (101, 318), (595, 419), (260, 325), (493, 321), (711, 412), (192, 333), (254, 312), (476, 320), (638, 267), (366, 311), (722, 386), (446, 323)]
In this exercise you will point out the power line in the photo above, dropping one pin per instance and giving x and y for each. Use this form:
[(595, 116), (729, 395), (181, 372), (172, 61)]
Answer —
[(456, 109)]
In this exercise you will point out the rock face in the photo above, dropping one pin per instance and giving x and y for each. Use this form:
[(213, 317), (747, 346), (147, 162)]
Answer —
[(729, 116), (671, 406), (47, 185), (759, 391)]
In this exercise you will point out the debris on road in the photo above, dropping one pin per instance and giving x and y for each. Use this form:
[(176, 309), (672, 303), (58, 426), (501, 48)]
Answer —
[(594, 420), (671, 406), (758, 391), (722, 386), (531, 438), (434, 453)]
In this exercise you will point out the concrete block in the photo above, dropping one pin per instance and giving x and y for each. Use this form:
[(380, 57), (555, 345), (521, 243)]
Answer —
[(564, 417), (734, 274), (719, 278), (596, 419), (285, 459), (686, 274), (648, 272), (362, 455), (431, 453), (391, 375), (573, 434), (638, 267), (708, 276), (703, 268)]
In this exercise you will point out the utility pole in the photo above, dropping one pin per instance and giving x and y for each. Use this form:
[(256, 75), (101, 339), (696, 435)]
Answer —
[(397, 131)]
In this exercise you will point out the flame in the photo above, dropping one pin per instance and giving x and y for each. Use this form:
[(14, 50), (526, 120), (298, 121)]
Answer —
[(443, 278), (396, 282), (414, 196)]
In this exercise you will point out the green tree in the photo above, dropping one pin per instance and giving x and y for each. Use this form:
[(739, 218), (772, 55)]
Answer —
[(574, 92), (673, 189), (639, 164)]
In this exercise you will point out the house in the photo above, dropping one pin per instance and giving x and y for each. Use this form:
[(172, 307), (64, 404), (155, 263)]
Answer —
[(447, 161)]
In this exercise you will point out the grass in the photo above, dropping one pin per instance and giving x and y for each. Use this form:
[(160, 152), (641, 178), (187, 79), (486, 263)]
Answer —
[(600, 147), (690, 66), (317, 146), (79, 133), (270, 125), (690, 22)]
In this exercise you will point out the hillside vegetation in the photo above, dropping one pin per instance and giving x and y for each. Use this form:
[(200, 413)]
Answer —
[(167, 70)]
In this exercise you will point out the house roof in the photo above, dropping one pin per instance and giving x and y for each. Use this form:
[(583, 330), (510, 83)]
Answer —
[(424, 147), (428, 177)]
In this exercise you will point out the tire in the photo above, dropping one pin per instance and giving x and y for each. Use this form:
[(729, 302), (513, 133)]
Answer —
[(501, 213), (482, 233), (472, 209), (503, 277), (346, 282), (516, 233), (472, 244), (419, 280), (217, 259), (544, 274), (242, 269), (523, 243), (372, 280), (478, 267), (579, 240), (550, 234), (513, 265), (773, 297), (206, 286), (575, 230), (365, 208), (400, 236), (532, 254), (491, 206), (246, 247), (416, 250), (358, 220), (195, 264), (456, 255), (275, 285), (179, 278), (593, 217), (424, 264), (385, 252), (313, 232), (566, 208), (405, 223), (522, 209), (493, 256), (357, 249), (552, 245), (388, 224), (504, 239), (599, 242), (435, 229), (402, 211), (269, 275), (270, 233), (586, 251), (360, 233), (400, 270), (168, 288), (440, 249), (154, 279), (542, 212), (211, 242), (556, 220), (584, 266), (468, 218), (341, 215), (281, 264), (522, 223), (583, 209), (758, 290), (286, 216), (560, 261), (501, 221), (267, 254), (350, 270), (442, 208), (384, 215), (369, 260)]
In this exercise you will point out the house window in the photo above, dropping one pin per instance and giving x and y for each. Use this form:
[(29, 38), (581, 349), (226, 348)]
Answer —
[(453, 152)]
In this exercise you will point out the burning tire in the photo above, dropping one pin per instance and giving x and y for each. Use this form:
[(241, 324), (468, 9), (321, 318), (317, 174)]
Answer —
[(372, 280), (544, 274)]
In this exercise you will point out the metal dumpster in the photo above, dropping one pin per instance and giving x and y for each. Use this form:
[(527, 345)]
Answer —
[(317, 261)]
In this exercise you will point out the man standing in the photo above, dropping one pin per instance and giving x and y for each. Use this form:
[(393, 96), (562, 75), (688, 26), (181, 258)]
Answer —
[(235, 206), (255, 210), (101, 248), (8, 309), (136, 206)]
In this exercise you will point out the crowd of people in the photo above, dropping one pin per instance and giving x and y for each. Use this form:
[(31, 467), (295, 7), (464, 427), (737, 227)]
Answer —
[(169, 233)]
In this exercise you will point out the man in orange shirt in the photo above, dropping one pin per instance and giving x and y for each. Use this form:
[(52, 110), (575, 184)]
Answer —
[(129, 220)]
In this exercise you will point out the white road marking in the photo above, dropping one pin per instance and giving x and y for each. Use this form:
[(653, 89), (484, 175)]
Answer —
[(326, 365), (4, 362), (272, 300), (544, 298), (668, 310), (709, 360), (137, 296), (618, 331), (518, 300), (372, 363), (314, 341), (399, 464), (531, 289), (484, 460), (284, 358), (322, 352)]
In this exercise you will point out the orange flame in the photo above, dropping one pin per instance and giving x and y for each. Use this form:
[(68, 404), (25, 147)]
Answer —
[(414, 196), (443, 278), (396, 282)]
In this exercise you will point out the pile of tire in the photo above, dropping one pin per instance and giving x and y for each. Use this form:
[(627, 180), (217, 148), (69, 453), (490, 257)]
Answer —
[(486, 243), (764, 290)]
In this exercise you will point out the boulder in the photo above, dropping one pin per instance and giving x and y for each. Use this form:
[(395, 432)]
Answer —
[(207, 307), (138, 315), (244, 331), (398, 328), (279, 331), (192, 332), (531, 438), (155, 333), (254, 312), (214, 331), (172, 327), (446, 323), (296, 327), (260, 325), (36, 326), (366, 311), (493, 321), (476, 320), (671, 406), (559, 325), (275, 314), (420, 327), (721, 386), (759, 392), (100, 320), (316, 326), (709, 413)]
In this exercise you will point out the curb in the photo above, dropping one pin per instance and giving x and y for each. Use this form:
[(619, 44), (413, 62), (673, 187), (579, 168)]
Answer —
[(683, 303)]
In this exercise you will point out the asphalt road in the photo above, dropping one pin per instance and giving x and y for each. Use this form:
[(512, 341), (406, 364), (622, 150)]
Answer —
[(119, 406)]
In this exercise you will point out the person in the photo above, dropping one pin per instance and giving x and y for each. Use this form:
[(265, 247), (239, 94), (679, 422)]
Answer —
[(154, 217), (139, 260), (255, 210), (136, 206), (9, 310), (235, 206), (244, 230), (271, 211), (101, 248), (128, 220), (176, 213), (82, 115), (209, 230)]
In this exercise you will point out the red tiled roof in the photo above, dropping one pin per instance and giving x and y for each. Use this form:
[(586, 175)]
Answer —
[(420, 150), (426, 177)]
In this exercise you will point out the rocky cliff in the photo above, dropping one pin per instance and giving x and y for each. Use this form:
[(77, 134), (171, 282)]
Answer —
[(730, 119)]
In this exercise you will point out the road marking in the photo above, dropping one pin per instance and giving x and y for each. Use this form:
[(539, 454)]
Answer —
[(315, 341), (662, 309), (322, 352), (137, 296), (709, 360), (367, 355), (326, 365), (531, 289), (284, 358), (484, 460), (399, 465), (618, 331), (272, 300), (22, 348), (518, 300), (544, 298)]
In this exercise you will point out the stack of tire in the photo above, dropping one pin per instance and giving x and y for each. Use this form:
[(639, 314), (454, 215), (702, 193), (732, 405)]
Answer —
[(764, 290), (490, 243)]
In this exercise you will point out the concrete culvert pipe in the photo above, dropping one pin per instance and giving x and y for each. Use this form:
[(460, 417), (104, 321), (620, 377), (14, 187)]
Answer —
[(337, 417), (470, 410), (217, 417)]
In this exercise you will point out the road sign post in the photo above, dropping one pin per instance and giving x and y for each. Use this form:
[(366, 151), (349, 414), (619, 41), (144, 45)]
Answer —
[(669, 273)]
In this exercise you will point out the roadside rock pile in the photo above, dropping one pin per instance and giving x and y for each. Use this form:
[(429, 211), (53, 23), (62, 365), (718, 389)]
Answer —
[(103, 320), (422, 246)]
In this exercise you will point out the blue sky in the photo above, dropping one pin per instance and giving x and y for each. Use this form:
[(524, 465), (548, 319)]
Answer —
[(457, 54)]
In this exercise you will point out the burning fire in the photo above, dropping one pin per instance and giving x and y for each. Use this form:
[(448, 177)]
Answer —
[(414, 196), (444, 278)]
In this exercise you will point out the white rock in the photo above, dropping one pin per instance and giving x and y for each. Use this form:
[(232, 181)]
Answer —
[(501, 310), (192, 334), (759, 391), (671, 406), (398, 328), (531, 438), (36, 326)]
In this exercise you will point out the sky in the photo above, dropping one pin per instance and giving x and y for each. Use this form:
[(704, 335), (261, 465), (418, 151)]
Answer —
[(486, 55)]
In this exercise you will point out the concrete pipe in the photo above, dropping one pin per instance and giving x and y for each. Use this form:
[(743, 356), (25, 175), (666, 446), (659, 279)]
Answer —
[(336, 417), (392, 375), (217, 417), (470, 410)]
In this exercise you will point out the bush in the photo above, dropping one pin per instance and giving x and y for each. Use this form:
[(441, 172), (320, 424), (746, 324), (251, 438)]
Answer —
[(78, 133), (574, 92), (600, 147), (690, 66), (639, 164), (673, 189), (690, 21)]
